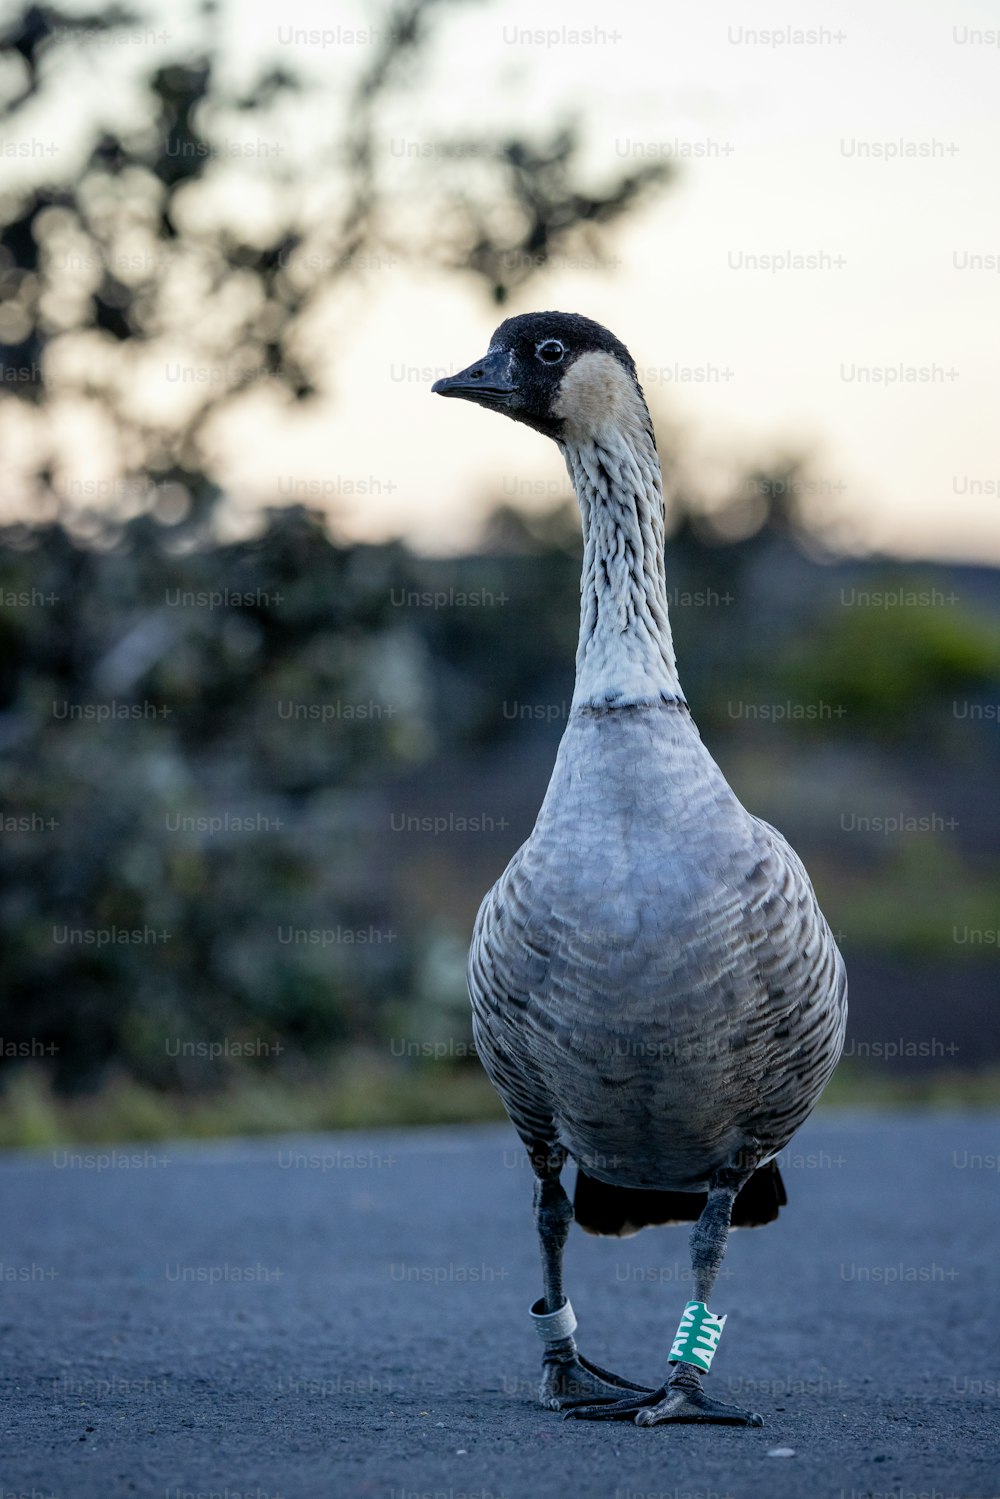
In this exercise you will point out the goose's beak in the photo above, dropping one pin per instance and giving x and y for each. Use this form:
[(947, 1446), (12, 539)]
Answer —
[(487, 382)]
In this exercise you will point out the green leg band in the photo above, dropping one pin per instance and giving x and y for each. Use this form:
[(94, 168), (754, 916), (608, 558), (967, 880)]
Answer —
[(697, 1336)]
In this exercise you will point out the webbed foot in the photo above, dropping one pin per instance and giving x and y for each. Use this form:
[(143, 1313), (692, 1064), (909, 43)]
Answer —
[(574, 1379), (681, 1399)]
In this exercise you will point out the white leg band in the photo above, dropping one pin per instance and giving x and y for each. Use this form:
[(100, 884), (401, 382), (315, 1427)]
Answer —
[(554, 1327)]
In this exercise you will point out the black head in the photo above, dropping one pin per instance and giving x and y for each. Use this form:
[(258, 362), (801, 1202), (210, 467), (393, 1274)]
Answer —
[(531, 372)]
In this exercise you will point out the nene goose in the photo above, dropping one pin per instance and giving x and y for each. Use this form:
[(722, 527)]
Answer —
[(655, 991)]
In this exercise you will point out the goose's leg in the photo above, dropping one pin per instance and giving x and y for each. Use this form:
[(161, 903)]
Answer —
[(566, 1375), (682, 1397)]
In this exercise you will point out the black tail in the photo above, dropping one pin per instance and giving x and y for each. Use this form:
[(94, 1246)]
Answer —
[(602, 1209)]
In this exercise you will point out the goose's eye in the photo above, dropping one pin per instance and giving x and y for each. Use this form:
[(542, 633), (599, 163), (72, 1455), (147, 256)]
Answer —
[(550, 351)]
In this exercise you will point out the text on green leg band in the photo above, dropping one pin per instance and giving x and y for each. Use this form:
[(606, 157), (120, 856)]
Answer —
[(697, 1336)]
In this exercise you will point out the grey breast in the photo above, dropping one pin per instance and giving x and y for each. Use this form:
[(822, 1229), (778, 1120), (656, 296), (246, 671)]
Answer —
[(653, 983)]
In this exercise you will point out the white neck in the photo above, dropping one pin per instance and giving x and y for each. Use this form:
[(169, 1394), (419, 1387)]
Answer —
[(625, 654)]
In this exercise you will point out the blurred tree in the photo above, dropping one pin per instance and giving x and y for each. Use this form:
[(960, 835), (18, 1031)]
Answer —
[(190, 762), (212, 763), (209, 744), (143, 257)]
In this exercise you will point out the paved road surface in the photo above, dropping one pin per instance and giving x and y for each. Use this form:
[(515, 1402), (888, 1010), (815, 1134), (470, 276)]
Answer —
[(347, 1316)]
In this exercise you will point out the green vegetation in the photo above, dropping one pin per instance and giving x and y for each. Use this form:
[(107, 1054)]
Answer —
[(904, 642), (222, 779), (855, 1085), (918, 902), (214, 914), (362, 1092)]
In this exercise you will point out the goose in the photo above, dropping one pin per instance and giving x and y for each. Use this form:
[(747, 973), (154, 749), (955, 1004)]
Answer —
[(655, 992)]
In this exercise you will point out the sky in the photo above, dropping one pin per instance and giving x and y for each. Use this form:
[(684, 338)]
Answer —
[(822, 278)]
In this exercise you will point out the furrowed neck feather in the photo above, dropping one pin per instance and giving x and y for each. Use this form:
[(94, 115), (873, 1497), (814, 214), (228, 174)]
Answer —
[(625, 654)]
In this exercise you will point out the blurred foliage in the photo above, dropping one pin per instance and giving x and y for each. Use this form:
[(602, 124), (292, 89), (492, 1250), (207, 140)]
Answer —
[(914, 901), (290, 692), (884, 657), (228, 702), (205, 744), (274, 685), (148, 259), (361, 1092)]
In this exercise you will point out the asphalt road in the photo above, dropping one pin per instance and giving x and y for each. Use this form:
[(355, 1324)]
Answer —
[(347, 1315)]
